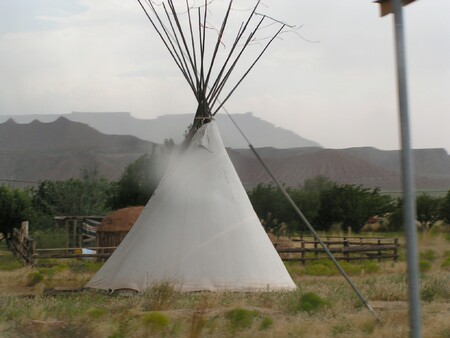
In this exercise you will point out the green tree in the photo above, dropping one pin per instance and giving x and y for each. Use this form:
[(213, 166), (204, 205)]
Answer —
[(140, 178), (274, 210), (311, 193), (351, 205), (395, 220), (445, 208), (266, 200), (86, 196), (15, 207), (428, 210)]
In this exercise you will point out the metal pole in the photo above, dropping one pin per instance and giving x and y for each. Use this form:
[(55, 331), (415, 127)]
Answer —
[(409, 205)]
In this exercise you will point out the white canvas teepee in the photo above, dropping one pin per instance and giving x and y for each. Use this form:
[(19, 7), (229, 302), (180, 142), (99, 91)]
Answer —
[(198, 231)]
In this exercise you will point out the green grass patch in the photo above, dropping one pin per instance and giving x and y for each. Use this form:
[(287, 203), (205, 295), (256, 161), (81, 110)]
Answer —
[(297, 301), (370, 267), (436, 288), (85, 266), (447, 254), (156, 321), (368, 327), (327, 268), (34, 278), (266, 323), (424, 266), (294, 268), (320, 268), (311, 302), (339, 329), (241, 318), (445, 333), (159, 297), (446, 264), (9, 263), (428, 255), (97, 312), (447, 237), (351, 268), (52, 271)]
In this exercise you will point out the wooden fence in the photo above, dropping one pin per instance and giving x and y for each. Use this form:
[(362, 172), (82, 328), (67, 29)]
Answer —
[(305, 249), (22, 246), (302, 249)]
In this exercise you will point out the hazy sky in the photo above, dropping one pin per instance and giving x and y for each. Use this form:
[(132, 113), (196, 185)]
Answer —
[(58, 56)]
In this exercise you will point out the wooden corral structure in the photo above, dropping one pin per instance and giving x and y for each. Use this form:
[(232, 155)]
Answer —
[(114, 227), (79, 230)]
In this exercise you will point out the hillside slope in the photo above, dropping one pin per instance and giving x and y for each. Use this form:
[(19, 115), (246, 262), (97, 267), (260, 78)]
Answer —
[(262, 133), (61, 149), (366, 166)]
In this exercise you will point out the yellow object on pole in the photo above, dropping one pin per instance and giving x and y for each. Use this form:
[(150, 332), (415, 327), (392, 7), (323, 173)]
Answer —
[(387, 7)]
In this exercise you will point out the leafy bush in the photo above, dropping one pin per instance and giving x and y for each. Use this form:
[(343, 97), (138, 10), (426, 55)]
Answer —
[(156, 320), (241, 318), (424, 266), (34, 278), (297, 301), (266, 323), (311, 302)]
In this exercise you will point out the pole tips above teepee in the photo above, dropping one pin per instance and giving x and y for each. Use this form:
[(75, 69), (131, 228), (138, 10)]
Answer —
[(214, 44)]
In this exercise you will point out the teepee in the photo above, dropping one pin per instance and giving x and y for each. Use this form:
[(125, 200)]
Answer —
[(199, 230)]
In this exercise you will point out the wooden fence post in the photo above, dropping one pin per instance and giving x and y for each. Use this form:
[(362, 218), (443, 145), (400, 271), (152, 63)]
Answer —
[(315, 249), (66, 230), (396, 249), (303, 252), (379, 251), (74, 236), (345, 249)]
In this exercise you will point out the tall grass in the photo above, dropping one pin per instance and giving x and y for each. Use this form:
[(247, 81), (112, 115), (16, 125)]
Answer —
[(322, 306)]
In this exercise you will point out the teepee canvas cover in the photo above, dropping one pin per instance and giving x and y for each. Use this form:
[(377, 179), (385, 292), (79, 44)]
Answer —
[(198, 231)]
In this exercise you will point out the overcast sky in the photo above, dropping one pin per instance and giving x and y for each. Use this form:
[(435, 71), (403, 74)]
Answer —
[(59, 56)]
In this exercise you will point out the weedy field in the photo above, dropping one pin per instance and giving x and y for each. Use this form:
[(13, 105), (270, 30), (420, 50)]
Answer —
[(323, 306)]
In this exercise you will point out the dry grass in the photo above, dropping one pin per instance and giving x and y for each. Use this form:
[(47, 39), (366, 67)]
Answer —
[(333, 310)]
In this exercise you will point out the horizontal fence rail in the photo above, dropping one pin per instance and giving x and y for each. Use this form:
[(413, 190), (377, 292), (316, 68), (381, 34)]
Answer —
[(305, 249), (302, 249)]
